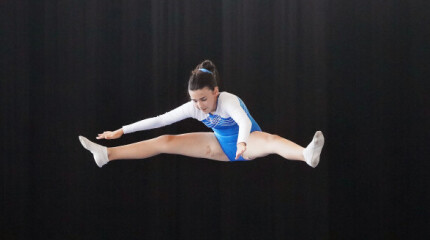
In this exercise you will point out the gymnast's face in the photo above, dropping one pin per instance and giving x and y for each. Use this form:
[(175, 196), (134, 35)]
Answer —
[(205, 99)]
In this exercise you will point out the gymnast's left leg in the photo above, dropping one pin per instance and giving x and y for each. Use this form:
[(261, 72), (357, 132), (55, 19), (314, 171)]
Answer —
[(261, 144)]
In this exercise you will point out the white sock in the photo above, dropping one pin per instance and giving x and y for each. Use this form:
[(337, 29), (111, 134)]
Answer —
[(313, 150), (99, 152)]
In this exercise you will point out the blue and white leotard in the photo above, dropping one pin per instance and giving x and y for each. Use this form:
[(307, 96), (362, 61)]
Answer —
[(231, 121)]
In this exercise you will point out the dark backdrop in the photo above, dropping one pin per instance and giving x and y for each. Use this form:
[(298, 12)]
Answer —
[(354, 69)]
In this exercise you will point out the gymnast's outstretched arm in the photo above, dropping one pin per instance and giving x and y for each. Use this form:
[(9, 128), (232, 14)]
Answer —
[(180, 113), (199, 145)]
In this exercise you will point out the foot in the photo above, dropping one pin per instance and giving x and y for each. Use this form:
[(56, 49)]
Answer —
[(99, 152), (313, 150)]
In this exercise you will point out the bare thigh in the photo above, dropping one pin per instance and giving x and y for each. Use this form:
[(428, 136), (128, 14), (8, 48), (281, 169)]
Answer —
[(198, 145), (261, 144), (256, 146)]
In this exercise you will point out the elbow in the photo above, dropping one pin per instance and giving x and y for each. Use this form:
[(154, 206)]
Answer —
[(246, 124), (249, 123)]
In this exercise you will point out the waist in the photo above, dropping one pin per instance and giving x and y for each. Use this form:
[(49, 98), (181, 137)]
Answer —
[(234, 130), (227, 130)]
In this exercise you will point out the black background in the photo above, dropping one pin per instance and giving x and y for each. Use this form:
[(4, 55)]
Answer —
[(357, 70)]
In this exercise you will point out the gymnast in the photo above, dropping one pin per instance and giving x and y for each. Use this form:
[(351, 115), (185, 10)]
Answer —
[(236, 135)]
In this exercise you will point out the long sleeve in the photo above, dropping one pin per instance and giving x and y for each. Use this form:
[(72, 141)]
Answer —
[(233, 108), (175, 115)]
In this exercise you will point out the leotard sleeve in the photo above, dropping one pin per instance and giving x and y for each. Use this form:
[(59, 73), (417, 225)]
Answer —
[(175, 115), (231, 106)]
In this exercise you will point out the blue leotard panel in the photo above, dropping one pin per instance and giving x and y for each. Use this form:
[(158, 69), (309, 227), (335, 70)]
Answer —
[(226, 131)]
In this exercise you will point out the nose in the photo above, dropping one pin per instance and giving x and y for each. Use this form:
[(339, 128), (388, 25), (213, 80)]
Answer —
[(200, 105)]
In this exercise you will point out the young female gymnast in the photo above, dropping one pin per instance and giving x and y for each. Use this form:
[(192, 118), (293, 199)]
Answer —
[(236, 135)]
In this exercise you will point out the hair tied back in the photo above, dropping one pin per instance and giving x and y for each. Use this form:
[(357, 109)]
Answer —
[(205, 70)]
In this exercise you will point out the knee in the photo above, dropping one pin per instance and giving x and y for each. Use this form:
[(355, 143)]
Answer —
[(165, 138), (271, 137), (209, 152), (270, 141), (164, 141)]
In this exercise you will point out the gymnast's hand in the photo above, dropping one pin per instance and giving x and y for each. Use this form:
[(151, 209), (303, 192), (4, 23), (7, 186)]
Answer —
[(111, 135), (241, 147)]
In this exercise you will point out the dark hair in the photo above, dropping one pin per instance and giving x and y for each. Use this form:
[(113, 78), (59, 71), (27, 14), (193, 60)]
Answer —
[(200, 79)]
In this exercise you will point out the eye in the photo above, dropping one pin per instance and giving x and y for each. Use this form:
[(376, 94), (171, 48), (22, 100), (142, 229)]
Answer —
[(204, 99)]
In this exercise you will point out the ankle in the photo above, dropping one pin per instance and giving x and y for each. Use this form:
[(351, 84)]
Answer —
[(109, 154), (302, 156)]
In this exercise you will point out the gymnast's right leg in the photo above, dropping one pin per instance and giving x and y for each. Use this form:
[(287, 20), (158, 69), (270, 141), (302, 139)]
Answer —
[(199, 145)]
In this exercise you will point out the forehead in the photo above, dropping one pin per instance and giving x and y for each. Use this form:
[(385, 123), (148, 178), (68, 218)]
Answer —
[(196, 94)]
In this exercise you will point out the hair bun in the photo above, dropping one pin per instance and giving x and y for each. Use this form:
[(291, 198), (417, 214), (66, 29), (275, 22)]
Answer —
[(209, 65), (200, 79)]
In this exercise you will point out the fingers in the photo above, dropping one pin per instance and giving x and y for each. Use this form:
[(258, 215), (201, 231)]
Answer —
[(104, 135), (239, 153), (241, 148)]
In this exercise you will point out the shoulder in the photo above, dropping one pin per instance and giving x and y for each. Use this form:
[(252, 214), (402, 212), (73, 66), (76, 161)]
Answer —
[(227, 97), (193, 111), (188, 106), (228, 101)]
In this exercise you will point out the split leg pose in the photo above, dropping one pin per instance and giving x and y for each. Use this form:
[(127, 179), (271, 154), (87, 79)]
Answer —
[(236, 135), (205, 145)]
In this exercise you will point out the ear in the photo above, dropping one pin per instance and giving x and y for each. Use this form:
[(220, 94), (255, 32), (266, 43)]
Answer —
[(216, 91)]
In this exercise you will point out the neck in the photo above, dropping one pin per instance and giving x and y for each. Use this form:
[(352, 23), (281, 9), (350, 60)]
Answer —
[(216, 104)]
